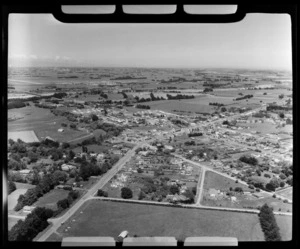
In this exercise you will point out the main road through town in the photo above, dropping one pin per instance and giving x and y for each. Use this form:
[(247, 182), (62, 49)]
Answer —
[(56, 222)]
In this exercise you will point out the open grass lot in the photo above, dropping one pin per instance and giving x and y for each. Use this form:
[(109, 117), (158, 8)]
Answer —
[(92, 147), (26, 136), (31, 114), (288, 193), (265, 128), (248, 202), (103, 218), (20, 185), (43, 123), (50, 199), (213, 180)]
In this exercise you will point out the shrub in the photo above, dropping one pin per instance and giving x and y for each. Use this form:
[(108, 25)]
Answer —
[(126, 193), (63, 204), (102, 193), (11, 187)]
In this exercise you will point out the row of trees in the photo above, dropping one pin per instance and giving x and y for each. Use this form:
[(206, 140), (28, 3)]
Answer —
[(268, 224), (88, 169), (34, 223), (248, 96), (195, 134), (216, 104), (180, 96), (249, 160), (66, 203), (45, 185), (15, 104), (11, 187), (143, 106)]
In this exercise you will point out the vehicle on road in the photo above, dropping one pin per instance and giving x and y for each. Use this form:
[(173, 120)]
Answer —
[(123, 234)]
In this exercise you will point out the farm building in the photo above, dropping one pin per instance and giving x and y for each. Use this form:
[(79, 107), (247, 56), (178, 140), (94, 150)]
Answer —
[(67, 167), (28, 209)]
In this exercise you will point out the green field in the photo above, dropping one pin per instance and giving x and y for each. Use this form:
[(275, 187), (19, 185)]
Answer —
[(101, 218), (288, 193), (50, 199), (186, 105), (43, 123), (214, 180)]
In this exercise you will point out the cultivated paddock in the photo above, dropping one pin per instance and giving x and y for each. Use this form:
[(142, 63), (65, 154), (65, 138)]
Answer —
[(25, 136)]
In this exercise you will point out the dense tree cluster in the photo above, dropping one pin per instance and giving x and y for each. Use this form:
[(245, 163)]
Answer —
[(216, 104), (268, 224), (278, 107), (248, 96), (126, 193), (15, 104), (66, 203), (101, 192), (180, 96), (143, 106), (11, 187), (44, 186), (34, 223), (249, 160), (173, 80), (195, 134), (273, 184), (208, 89), (59, 95)]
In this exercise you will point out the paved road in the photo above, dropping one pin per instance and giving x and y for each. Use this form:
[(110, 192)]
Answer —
[(200, 187), (56, 223), (86, 136), (21, 217), (244, 210)]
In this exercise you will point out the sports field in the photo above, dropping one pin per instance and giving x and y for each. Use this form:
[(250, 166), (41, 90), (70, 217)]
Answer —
[(103, 218)]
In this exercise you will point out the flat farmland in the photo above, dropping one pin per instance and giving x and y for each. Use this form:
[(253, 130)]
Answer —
[(29, 114), (104, 218), (26, 136), (50, 199), (43, 123), (181, 105)]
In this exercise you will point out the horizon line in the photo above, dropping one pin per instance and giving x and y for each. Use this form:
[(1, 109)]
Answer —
[(154, 67)]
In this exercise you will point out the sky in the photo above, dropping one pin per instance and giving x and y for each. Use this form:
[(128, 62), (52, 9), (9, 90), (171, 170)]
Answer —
[(259, 41)]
